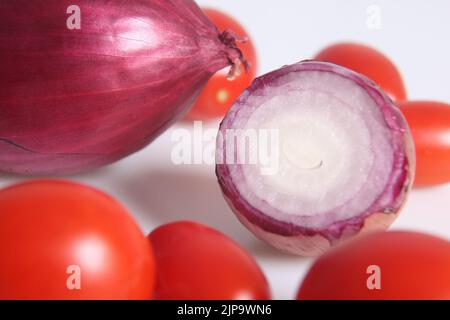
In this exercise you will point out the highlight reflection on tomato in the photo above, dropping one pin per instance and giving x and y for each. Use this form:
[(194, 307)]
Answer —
[(219, 93), (197, 262), (369, 62), (430, 125), (62, 240)]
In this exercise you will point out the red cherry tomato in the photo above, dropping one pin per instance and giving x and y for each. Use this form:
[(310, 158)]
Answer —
[(390, 265), (430, 126), (61, 240), (220, 93), (197, 262), (369, 62)]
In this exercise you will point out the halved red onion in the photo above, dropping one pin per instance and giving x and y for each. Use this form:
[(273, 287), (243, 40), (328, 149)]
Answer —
[(85, 83), (344, 153)]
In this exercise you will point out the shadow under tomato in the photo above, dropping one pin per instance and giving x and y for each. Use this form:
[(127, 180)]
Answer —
[(175, 195)]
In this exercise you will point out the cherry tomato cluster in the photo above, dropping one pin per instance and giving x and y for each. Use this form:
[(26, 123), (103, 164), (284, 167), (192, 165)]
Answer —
[(63, 240)]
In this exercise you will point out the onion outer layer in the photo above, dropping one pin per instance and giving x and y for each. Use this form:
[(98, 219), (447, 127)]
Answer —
[(76, 99)]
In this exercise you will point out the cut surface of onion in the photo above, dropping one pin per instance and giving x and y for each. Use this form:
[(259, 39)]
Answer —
[(312, 154)]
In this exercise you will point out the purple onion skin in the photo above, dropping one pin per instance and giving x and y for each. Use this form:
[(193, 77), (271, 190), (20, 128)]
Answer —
[(295, 239), (74, 100)]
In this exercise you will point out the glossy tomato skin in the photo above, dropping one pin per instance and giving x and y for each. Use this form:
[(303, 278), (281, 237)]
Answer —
[(220, 93), (430, 125), (47, 226), (197, 262), (412, 266), (369, 62)]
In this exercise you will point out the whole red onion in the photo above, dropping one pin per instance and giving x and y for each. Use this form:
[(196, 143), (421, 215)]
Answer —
[(342, 158), (86, 83)]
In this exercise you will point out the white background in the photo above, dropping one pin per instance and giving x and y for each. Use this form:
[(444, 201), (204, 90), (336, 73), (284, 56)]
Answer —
[(415, 34)]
